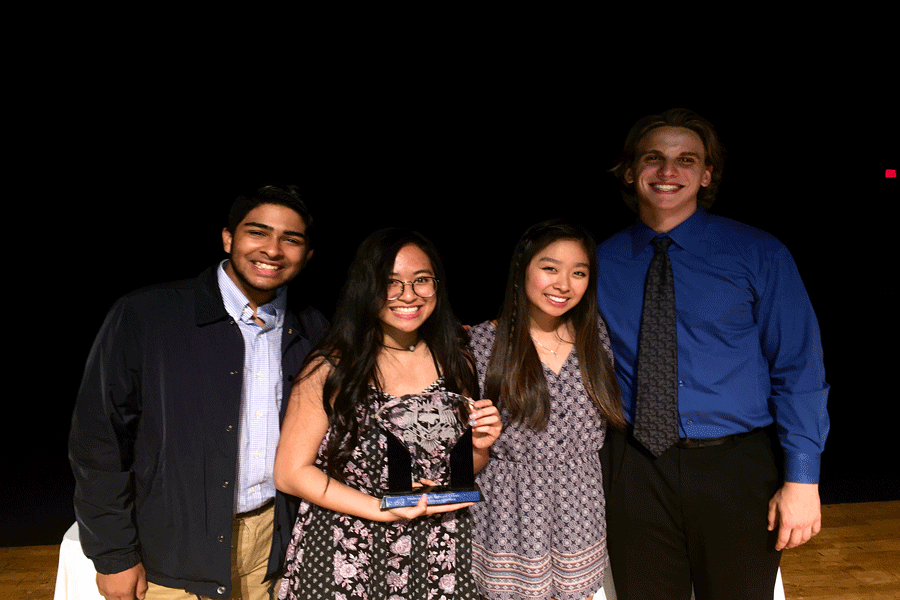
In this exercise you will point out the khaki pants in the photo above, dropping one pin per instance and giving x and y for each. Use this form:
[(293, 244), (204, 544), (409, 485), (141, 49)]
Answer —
[(251, 542)]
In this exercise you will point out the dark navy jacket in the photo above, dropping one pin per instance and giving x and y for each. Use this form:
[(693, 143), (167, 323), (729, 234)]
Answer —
[(154, 435)]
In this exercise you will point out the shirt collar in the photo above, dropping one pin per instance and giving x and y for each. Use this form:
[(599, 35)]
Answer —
[(237, 305), (687, 234)]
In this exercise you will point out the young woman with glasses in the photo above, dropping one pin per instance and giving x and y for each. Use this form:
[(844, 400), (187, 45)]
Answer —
[(394, 343)]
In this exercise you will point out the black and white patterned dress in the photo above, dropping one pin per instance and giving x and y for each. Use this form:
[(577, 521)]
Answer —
[(541, 532), (336, 556)]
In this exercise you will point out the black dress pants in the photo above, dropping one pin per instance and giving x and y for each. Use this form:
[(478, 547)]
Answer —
[(692, 516)]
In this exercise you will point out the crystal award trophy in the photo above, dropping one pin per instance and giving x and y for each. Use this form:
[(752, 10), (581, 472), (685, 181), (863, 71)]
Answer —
[(428, 437)]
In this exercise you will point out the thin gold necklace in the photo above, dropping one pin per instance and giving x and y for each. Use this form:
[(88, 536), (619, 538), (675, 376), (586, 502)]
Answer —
[(553, 352)]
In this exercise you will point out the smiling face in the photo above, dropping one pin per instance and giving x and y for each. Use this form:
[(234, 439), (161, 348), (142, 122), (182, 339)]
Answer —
[(669, 170), (401, 318), (267, 249), (556, 279)]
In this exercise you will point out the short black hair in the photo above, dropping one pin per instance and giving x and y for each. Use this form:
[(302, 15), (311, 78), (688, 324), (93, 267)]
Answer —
[(280, 195)]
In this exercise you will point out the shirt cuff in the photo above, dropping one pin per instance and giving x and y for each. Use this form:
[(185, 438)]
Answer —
[(802, 468)]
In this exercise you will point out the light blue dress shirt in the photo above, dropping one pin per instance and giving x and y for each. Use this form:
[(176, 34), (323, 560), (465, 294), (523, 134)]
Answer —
[(749, 349), (261, 399)]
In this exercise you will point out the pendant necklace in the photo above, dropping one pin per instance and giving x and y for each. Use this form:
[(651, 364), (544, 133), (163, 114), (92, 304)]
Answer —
[(410, 348), (553, 352)]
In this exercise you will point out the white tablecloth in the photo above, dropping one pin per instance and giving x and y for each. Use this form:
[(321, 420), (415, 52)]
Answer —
[(76, 577), (609, 593)]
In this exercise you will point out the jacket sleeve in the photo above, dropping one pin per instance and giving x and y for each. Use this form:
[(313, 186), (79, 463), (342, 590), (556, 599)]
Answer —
[(101, 444)]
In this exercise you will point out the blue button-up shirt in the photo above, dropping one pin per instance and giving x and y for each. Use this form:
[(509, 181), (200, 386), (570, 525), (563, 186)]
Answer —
[(749, 349), (258, 429)]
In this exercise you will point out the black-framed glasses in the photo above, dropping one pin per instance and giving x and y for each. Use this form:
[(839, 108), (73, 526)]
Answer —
[(423, 287)]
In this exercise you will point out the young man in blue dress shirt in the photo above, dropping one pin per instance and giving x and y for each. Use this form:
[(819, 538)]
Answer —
[(713, 510)]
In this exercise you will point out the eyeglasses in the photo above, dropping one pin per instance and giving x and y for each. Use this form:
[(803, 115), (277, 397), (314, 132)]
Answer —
[(423, 287)]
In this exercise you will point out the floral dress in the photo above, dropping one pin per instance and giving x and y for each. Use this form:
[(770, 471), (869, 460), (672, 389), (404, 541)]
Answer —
[(338, 556), (541, 532)]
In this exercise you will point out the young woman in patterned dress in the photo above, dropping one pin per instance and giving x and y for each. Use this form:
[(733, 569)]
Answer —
[(394, 342), (540, 533)]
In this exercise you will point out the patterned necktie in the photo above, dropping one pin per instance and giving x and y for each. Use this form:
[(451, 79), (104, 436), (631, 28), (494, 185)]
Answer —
[(656, 411)]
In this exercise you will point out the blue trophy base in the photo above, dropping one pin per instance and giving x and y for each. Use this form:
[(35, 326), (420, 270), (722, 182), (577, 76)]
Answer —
[(436, 495)]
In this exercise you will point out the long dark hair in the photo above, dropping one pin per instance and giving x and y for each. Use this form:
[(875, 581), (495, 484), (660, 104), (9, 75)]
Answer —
[(515, 376), (355, 337)]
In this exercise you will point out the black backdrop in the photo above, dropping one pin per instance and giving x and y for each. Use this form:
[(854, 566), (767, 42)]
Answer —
[(119, 194)]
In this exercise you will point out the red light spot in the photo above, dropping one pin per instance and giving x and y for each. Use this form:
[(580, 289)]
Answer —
[(890, 173)]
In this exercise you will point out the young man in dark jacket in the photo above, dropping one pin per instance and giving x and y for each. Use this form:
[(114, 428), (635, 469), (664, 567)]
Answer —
[(178, 414)]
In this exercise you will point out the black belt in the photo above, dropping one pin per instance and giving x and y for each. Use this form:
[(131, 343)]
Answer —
[(707, 442), (256, 511)]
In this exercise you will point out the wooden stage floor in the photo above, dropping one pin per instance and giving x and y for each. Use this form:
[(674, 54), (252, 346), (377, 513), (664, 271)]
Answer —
[(855, 557)]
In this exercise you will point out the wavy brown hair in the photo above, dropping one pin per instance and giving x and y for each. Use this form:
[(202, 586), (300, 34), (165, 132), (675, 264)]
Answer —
[(675, 117)]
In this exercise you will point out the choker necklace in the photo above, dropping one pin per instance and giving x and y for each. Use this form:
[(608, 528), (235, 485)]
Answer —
[(410, 348)]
